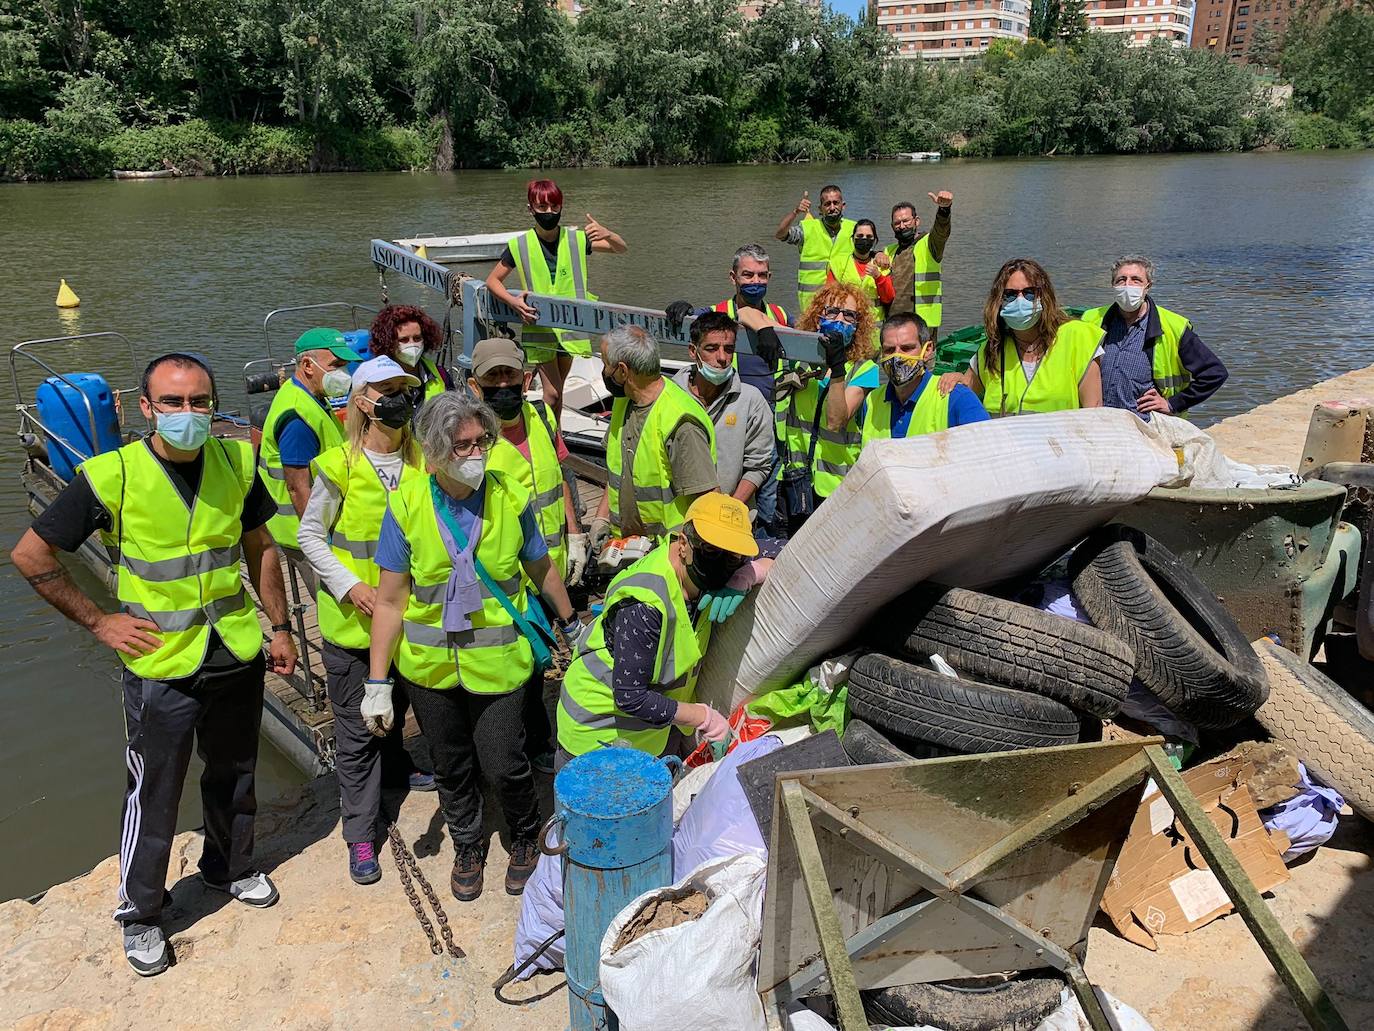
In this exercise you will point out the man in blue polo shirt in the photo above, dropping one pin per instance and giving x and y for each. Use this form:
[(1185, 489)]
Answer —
[(908, 402)]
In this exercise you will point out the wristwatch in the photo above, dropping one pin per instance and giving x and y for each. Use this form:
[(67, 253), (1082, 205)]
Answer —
[(281, 628)]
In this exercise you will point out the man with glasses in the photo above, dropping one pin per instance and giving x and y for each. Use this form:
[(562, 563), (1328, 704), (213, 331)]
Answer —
[(916, 258), (178, 510), (300, 426)]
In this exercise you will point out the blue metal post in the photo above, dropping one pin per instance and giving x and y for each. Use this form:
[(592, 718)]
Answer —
[(616, 810)]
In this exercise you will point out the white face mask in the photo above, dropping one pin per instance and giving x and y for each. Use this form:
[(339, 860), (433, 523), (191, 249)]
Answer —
[(467, 471), (410, 353), (336, 382), (713, 375), (1129, 298)]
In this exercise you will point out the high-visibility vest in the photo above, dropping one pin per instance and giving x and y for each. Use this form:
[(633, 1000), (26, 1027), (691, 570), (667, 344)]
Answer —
[(926, 287), (493, 657), (1055, 385), (817, 250), (660, 510), (569, 281), (541, 475), (1166, 365), (836, 451), (353, 537), (842, 268), (434, 385), (177, 565), (774, 312), (931, 414), (587, 713), (291, 399)]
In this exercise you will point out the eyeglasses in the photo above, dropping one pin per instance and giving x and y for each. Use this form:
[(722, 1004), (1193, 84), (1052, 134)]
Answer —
[(464, 448), (848, 314), (1029, 293), (202, 403)]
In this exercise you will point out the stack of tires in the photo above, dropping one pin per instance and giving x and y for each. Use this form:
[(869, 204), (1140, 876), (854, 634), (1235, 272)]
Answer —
[(1028, 678)]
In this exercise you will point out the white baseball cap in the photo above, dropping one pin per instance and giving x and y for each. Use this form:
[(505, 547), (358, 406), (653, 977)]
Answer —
[(379, 369)]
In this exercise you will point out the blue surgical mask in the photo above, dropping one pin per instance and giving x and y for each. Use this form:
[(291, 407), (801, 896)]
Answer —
[(753, 291), (844, 330), (185, 431), (1019, 313)]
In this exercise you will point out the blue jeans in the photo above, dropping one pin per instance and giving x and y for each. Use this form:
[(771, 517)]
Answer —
[(766, 498)]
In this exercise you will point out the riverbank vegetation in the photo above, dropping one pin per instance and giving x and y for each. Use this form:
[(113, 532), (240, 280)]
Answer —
[(238, 86)]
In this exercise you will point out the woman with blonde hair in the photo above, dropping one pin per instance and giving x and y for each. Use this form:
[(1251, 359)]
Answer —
[(819, 423), (339, 532), (1037, 357)]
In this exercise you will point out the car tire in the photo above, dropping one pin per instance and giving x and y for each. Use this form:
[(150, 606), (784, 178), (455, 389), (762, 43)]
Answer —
[(1188, 649), (1002, 642), (864, 745), (1327, 729), (1020, 1004), (962, 715)]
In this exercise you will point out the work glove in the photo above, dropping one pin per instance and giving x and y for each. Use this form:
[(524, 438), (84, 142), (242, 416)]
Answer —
[(834, 349), (676, 312), (573, 631), (376, 710), (598, 533), (769, 347), (719, 605), (714, 727), (577, 558)]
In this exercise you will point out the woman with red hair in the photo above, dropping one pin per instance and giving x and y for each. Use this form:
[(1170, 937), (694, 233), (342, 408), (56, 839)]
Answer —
[(551, 261), (409, 337)]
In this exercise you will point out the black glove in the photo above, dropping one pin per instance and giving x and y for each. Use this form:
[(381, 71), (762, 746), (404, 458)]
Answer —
[(770, 347), (676, 312), (834, 348)]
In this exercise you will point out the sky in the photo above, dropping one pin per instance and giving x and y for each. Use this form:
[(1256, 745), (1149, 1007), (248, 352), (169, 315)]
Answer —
[(849, 7)]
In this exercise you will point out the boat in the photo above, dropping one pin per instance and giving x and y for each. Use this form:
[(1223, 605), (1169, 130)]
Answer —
[(919, 155), (458, 250), (159, 173)]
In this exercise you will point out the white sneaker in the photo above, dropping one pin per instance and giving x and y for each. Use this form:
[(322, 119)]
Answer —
[(252, 889), (145, 947)]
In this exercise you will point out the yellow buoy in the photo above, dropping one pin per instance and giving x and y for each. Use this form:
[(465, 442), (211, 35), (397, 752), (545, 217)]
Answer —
[(422, 252), (66, 296)]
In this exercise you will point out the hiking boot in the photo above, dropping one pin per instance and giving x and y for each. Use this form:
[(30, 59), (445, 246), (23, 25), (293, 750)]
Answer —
[(252, 889), (524, 856), (466, 881), (419, 780), (362, 863), (145, 947)]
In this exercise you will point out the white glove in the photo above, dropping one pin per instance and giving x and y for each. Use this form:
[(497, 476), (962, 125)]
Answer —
[(714, 727), (577, 558), (376, 710)]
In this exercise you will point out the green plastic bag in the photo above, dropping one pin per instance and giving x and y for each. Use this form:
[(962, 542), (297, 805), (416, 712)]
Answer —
[(803, 702)]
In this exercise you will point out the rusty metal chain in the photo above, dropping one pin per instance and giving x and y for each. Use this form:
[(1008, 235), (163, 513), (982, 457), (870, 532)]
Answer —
[(407, 867)]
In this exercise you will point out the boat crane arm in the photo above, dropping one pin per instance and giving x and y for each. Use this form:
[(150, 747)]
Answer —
[(264, 569)]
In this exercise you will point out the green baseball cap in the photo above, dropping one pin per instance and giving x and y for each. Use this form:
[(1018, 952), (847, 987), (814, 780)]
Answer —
[(322, 338)]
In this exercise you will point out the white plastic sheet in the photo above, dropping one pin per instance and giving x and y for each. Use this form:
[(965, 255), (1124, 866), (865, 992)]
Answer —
[(968, 507)]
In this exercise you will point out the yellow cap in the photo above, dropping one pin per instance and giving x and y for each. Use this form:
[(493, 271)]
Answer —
[(723, 522)]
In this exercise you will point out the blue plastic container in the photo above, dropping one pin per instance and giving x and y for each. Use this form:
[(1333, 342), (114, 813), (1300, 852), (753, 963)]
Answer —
[(62, 410), (361, 341), (615, 806)]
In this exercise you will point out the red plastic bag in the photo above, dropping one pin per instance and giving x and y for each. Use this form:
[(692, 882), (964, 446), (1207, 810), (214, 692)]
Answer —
[(743, 727)]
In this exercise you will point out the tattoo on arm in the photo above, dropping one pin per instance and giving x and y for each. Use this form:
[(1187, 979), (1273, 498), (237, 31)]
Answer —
[(42, 578)]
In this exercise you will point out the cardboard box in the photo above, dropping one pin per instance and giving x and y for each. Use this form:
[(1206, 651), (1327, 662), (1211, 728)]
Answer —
[(1161, 884)]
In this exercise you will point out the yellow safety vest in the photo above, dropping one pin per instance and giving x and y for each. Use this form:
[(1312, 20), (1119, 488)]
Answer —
[(817, 250), (587, 713), (836, 452), (569, 281), (926, 287), (842, 268), (931, 414), (1166, 365), (541, 475), (660, 510), (434, 385), (493, 657), (353, 537), (291, 399), (174, 565), (1054, 387)]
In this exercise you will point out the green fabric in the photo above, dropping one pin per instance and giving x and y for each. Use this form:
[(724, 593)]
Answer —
[(801, 703)]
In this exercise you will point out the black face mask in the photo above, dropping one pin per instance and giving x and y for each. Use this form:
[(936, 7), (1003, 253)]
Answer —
[(863, 245), (905, 237), (615, 389), (547, 220), (393, 410), (710, 567), (833, 220), (504, 401)]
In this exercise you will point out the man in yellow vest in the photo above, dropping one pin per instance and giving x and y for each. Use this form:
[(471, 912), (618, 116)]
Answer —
[(633, 678), (179, 511), (1152, 361), (910, 403), (660, 449), (916, 257), (822, 240), (299, 426)]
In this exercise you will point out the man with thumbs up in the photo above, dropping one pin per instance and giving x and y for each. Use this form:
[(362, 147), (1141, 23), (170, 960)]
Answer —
[(916, 258), (821, 239)]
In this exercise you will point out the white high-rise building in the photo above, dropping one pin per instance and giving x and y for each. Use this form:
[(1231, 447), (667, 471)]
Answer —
[(950, 29)]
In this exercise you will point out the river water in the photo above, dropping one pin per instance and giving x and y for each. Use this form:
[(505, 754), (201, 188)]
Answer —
[(1270, 255)]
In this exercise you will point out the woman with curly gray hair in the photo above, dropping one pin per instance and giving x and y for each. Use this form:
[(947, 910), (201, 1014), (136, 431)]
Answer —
[(451, 613)]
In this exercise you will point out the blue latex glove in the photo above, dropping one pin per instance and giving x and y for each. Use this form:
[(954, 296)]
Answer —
[(720, 605)]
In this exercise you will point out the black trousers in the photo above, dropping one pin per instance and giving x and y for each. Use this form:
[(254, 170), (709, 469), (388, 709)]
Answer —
[(364, 763), (465, 730), (221, 713)]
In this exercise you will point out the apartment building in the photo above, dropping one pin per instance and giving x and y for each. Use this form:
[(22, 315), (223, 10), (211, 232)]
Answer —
[(1227, 26), (950, 29), (1143, 20)]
